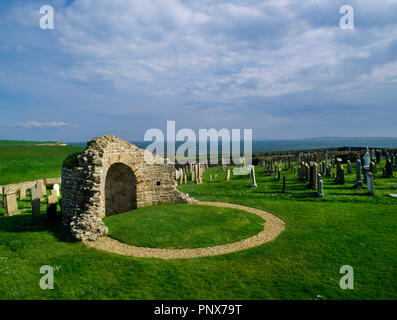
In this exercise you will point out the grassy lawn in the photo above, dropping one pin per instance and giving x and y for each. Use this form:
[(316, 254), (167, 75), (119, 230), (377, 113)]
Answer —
[(31, 162), (347, 227), (183, 226)]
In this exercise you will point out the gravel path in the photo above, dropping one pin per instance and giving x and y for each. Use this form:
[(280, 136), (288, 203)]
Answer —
[(272, 228)]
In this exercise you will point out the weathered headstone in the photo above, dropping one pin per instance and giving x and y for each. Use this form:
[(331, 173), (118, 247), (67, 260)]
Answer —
[(52, 212), (389, 169), (253, 177), (320, 190), (35, 207), (313, 175), (373, 169), (378, 155), (56, 187), (40, 189), (349, 167), (51, 199), (340, 173), (367, 159), (370, 183), (35, 193), (359, 182), (11, 204), (22, 193)]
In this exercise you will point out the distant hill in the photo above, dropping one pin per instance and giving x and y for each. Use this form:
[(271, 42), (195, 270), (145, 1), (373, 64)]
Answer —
[(28, 143)]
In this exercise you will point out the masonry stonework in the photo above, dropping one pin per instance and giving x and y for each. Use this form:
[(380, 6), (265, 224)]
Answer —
[(112, 177)]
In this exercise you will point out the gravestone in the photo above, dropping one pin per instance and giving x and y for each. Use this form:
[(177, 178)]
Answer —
[(253, 177), (370, 183), (11, 204), (373, 169), (22, 193), (378, 155), (359, 182), (367, 159), (210, 177), (228, 175), (39, 190), (313, 175), (349, 167), (54, 193), (51, 212), (51, 199), (389, 169), (328, 170), (3, 197), (35, 207), (320, 190), (340, 173)]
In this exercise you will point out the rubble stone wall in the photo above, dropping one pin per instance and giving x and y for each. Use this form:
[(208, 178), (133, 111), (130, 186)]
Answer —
[(88, 192)]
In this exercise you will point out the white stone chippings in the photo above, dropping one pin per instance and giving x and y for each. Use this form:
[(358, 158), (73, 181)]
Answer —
[(272, 229)]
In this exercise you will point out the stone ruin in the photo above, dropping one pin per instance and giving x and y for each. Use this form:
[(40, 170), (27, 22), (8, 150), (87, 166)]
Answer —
[(112, 176)]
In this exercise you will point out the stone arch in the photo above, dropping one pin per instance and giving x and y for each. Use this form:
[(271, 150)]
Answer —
[(120, 189)]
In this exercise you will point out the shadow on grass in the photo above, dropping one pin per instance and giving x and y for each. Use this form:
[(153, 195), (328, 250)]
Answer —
[(26, 223)]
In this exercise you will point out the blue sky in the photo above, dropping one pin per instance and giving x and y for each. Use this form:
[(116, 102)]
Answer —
[(282, 68)]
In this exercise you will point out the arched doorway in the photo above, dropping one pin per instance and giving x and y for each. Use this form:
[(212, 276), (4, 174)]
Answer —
[(120, 190)]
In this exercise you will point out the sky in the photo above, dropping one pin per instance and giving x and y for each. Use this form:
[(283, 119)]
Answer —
[(283, 68)]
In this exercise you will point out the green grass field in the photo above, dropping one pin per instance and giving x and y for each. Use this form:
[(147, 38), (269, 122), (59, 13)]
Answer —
[(31, 162), (347, 227), (183, 226)]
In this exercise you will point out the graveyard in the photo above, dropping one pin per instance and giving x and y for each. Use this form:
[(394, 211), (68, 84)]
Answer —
[(332, 218)]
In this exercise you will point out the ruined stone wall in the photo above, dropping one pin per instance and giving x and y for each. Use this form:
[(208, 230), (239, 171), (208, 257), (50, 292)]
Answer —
[(83, 187)]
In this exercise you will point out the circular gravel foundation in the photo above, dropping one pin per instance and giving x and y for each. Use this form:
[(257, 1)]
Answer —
[(272, 228)]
